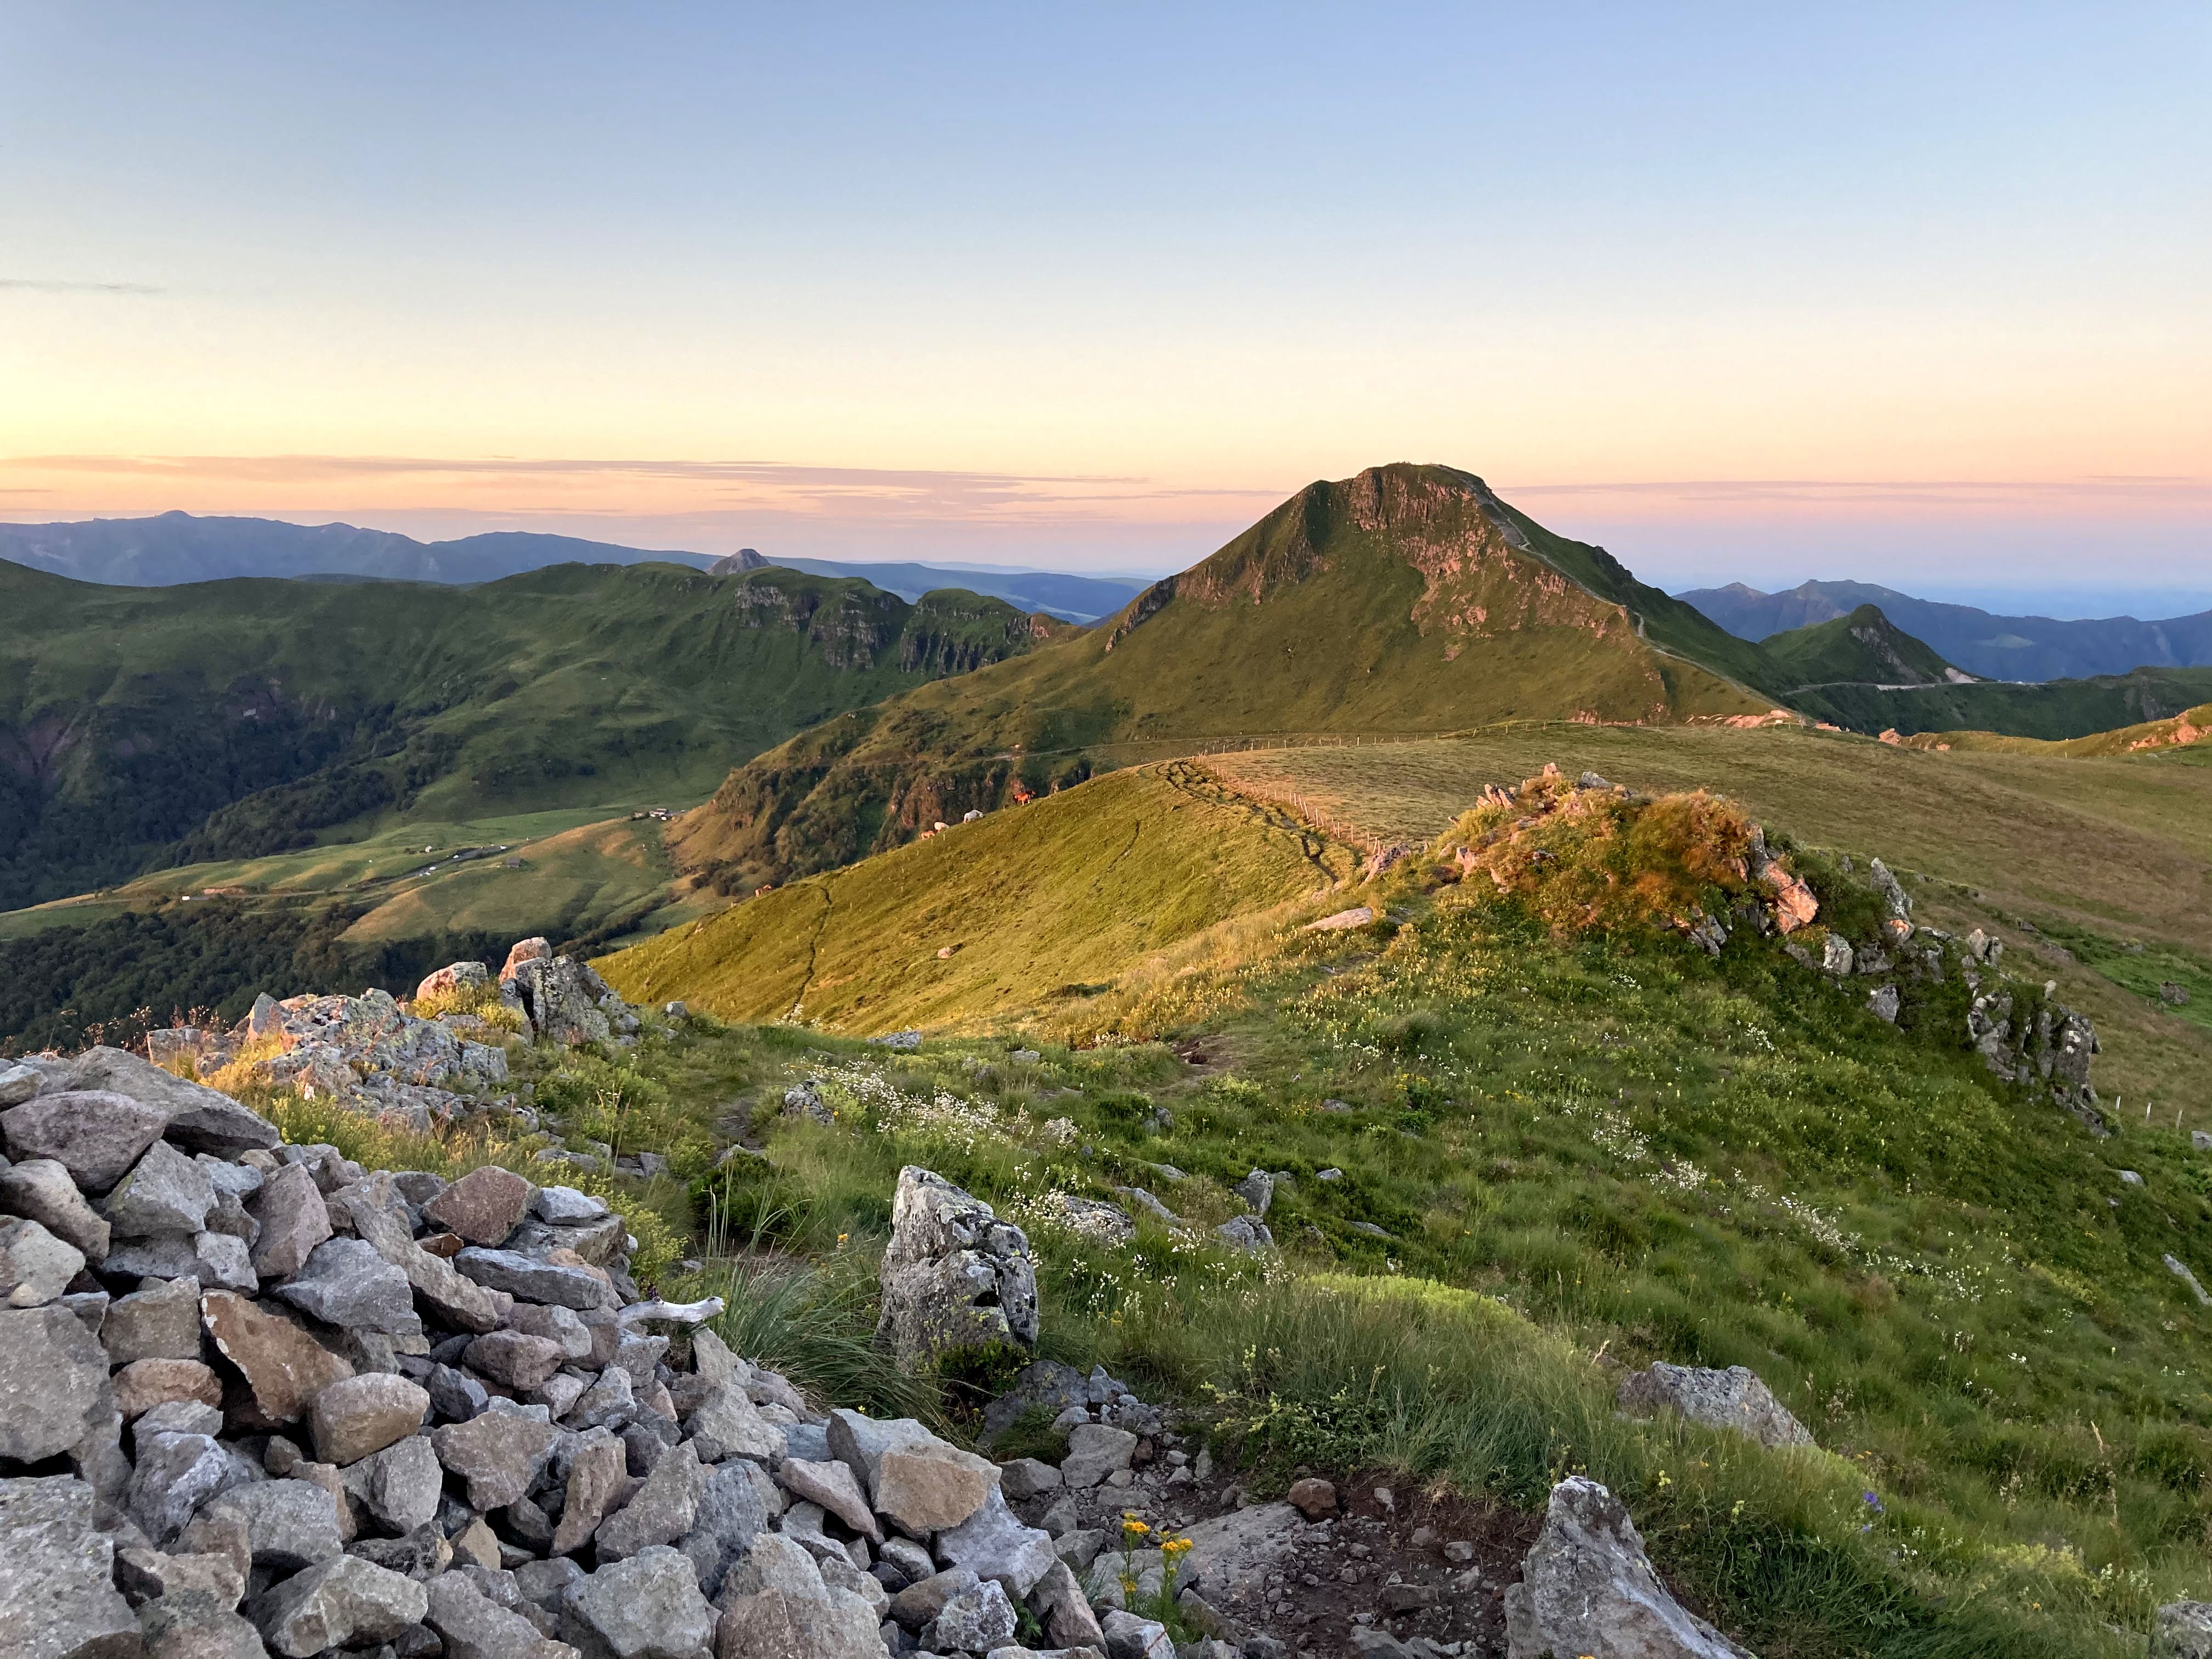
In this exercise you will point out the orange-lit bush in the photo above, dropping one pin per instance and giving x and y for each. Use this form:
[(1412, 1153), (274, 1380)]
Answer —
[(1603, 859)]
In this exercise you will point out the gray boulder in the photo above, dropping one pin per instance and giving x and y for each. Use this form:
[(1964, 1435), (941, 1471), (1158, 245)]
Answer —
[(474, 1626), (199, 1119), (1094, 1451), (955, 1276), (1732, 1399), (343, 1602), (1587, 1587), (54, 1391), (498, 1453), (561, 996), (730, 1516), (727, 1423), (294, 1221), (1258, 1190), (35, 1266), (194, 1627), (2182, 1629), (218, 1261), (664, 1509), (528, 1279), (1128, 1636), (95, 1135), (174, 1475), (400, 1485), (290, 1524), (345, 1282), (645, 1608), (974, 1620), (41, 1189), (57, 1575), (165, 1192), (776, 1606), (995, 1544)]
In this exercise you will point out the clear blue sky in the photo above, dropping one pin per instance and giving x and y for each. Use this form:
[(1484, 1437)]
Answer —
[(1915, 294)]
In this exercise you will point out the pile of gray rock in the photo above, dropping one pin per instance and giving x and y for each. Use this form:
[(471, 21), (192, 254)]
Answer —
[(256, 1399), (371, 1054)]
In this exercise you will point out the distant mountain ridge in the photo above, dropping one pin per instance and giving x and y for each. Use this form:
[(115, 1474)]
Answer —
[(171, 549), (1982, 643)]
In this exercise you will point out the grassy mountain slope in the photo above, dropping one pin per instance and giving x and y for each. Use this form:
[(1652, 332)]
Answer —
[(1028, 903), (1555, 1154), (1401, 600), (2050, 710), (2191, 726), (1992, 646), (2012, 825), (227, 720), (179, 547), (1863, 648)]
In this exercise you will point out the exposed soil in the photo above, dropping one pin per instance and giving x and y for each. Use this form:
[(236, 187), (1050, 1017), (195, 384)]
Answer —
[(1393, 1558)]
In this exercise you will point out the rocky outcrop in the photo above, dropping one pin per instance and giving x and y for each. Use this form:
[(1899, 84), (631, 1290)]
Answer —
[(1588, 1588), (566, 1002), (955, 1278), (1734, 1399), (490, 1451), (370, 1054)]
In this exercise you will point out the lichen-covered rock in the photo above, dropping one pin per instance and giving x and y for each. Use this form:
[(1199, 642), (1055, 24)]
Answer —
[(645, 1608), (56, 1589), (1732, 1399), (955, 1276), (53, 1383), (561, 997), (343, 1602), (1587, 1587), (2182, 1629), (95, 1134)]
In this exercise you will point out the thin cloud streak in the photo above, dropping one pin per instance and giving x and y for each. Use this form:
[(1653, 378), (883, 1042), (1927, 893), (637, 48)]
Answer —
[(878, 492), (49, 285)]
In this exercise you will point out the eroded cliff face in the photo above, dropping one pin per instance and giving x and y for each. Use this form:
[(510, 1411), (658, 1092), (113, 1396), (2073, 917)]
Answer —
[(852, 629)]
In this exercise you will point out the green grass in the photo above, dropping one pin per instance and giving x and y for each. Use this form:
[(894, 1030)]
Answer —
[(1062, 896), (238, 718)]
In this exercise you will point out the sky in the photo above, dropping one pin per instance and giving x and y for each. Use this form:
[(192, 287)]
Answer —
[(1914, 294)]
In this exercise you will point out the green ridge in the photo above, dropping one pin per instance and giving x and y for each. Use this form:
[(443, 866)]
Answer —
[(235, 719)]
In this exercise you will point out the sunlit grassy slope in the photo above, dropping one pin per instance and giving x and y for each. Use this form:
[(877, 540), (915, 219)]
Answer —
[(1647, 1153), (1051, 898), (580, 870), (2126, 839)]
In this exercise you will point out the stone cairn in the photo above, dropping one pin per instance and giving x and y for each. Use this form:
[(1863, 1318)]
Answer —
[(256, 1399)]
